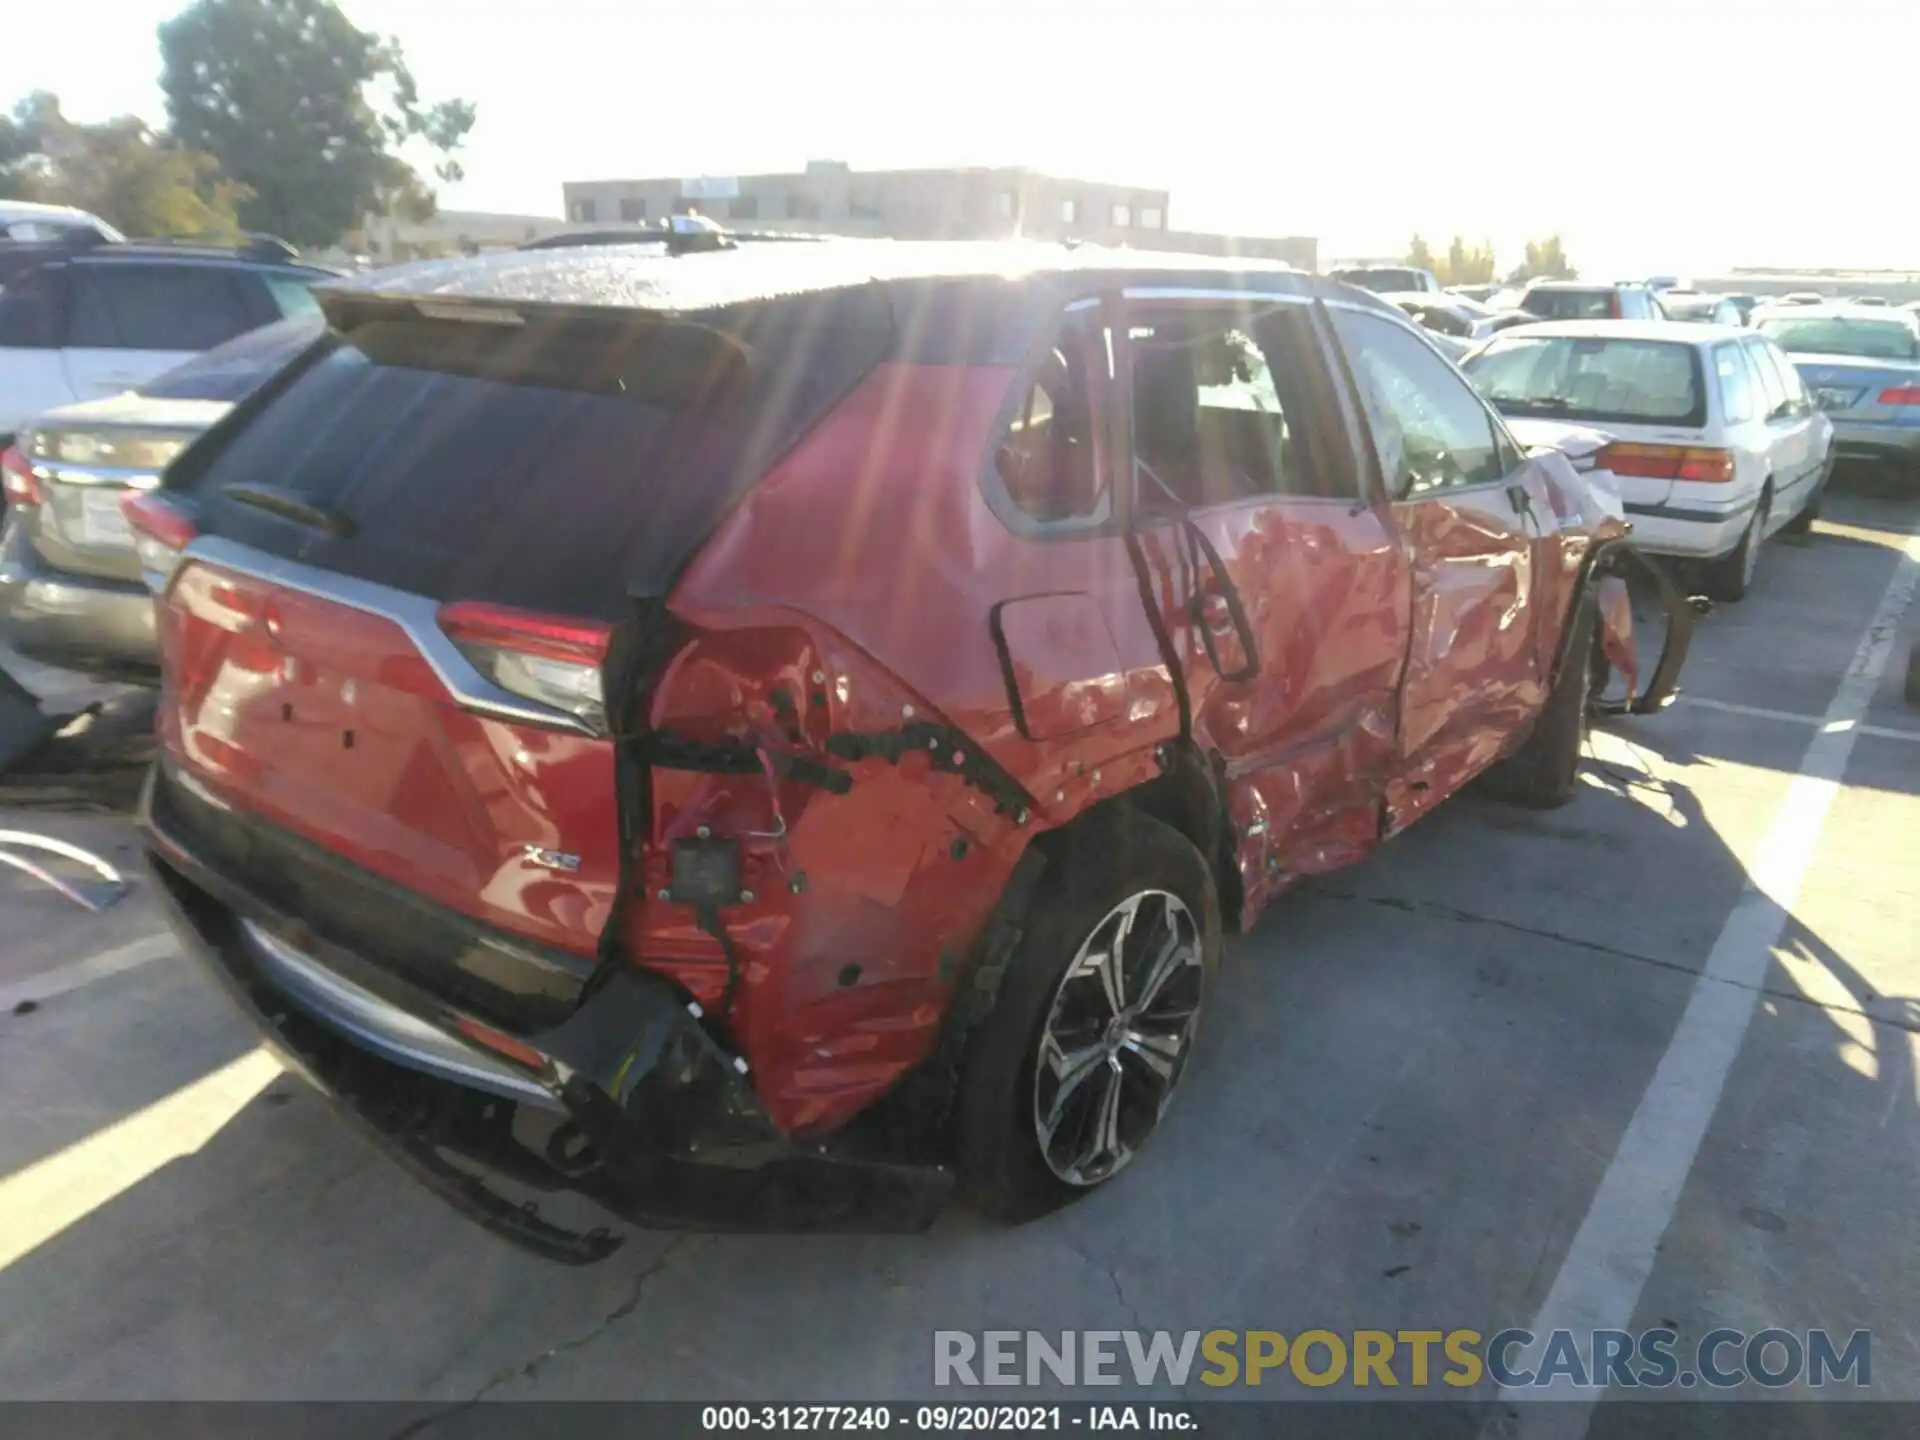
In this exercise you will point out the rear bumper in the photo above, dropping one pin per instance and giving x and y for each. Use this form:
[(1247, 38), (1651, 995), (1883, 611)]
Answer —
[(102, 628), (628, 1101), (1876, 440), (1689, 528)]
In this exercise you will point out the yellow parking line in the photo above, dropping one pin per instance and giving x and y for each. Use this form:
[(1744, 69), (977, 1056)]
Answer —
[(50, 1195)]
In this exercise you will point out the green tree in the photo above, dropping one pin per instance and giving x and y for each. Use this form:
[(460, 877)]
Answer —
[(308, 111), (1466, 265), (1419, 254), (120, 170), (1546, 260)]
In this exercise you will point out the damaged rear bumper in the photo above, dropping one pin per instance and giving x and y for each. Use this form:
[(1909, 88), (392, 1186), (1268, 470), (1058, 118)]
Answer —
[(628, 1102)]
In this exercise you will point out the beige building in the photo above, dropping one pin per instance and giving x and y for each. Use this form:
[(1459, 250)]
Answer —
[(831, 198)]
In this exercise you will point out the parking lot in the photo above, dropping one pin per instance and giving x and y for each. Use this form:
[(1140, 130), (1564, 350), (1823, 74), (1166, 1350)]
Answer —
[(1450, 1088)]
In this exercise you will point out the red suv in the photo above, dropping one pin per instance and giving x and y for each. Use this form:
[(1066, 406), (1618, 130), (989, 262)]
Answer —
[(751, 737)]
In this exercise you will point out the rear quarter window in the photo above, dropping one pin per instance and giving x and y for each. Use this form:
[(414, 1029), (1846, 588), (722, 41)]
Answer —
[(1738, 400)]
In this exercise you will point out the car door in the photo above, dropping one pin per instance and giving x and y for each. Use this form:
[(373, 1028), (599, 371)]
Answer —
[(32, 320), (1791, 462), (131, 320), (1476, 521), (1284, 586)]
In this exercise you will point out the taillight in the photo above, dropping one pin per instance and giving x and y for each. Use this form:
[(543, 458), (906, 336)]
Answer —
[(160, 533), (1901, 395), (1667, 462), (549, 659), (17, 478), (1613, 305)]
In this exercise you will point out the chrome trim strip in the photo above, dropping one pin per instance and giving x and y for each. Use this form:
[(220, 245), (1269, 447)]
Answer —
[(82, 475), (415, 614), (405, 1039)]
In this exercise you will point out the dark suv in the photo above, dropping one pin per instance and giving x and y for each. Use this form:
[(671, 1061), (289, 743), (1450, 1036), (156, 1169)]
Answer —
[(747, 736), (84, 318)]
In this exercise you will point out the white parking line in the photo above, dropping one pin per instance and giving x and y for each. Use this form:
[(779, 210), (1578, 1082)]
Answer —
[(50, 1195), (1606, 1267), (75, 974), (1761, 712)]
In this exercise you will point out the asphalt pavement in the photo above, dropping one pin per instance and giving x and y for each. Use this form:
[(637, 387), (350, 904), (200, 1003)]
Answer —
[(1649, 1060)]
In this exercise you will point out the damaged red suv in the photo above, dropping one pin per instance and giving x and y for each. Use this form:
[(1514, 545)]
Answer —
[(755, 738)]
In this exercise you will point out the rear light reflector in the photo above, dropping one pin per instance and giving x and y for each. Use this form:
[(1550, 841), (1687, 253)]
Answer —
[(549, 659), (1901, 395), (17, 477), (1613, 305), (161, 532), (1667, 462)]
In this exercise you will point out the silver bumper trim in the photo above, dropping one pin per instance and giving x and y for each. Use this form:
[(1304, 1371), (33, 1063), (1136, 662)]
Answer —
[(383, 1027)]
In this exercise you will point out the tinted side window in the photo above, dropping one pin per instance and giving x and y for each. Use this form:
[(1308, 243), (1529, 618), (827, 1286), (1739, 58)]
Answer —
[(1773, 386), (1789, 376), (30, 312), (155, 307), (292, 295), (1738, 402), (1049, 458), (1430, 429)]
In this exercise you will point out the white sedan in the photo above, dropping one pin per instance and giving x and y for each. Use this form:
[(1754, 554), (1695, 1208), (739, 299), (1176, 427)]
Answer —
[(1711, 437)]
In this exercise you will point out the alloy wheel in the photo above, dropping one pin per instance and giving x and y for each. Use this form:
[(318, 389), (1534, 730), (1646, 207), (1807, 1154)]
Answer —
[(1117, 1036)]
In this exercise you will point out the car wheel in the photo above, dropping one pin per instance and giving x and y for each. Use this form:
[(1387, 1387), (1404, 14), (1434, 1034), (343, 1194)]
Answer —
[(1731, 576), (1544, 772), (1071, 1072)]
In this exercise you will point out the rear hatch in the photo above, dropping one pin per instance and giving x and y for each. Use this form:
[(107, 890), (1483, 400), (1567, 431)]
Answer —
[(88, 457), (415, 546)]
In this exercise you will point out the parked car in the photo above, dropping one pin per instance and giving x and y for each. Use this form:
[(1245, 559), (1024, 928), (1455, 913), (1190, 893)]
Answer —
[(70, 588), (1869, 300), (24, 220), (705, 732), (1863, 368), (1478, 293), (1701, 309), (1745, 304), (1452, 325), (1388, 279), (1714, 443), (92, 319), (1580, 300)]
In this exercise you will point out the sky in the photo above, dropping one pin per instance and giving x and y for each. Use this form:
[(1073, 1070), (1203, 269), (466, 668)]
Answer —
[(1655, 138)]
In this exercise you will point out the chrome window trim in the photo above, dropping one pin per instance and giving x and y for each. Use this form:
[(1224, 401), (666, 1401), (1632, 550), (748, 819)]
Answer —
[(417, 615)]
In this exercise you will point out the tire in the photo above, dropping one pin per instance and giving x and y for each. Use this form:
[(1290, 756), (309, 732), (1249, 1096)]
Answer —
[(1730, 577), (1544, 773), (1913, 675), (1054, 1000)]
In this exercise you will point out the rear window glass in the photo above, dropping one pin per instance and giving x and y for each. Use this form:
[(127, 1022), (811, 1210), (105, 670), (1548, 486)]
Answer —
[(1834, 335), (1590, 378), (1570, 304), (1383, 281), (236, 369), (555, 466)]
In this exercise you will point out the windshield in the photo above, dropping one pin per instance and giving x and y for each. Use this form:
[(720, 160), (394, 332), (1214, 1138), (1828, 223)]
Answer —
[(1587, 378), (1842, 335)]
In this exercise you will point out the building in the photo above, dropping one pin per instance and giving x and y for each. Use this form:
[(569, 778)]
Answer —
[(452, 232), (829, 197)]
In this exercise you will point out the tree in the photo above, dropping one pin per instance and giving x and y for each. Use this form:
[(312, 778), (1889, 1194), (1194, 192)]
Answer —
[(1465, 266), (120, 170), (1419, 254), (308, 111), (1546, 260)]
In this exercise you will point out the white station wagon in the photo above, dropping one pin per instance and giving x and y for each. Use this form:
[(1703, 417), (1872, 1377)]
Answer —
[(1708, 429)]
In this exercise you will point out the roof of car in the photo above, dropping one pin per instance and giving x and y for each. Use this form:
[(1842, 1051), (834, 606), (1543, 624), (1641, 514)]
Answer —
[(1585, 285), (1840, 310), (642, 277), (1629, 330)]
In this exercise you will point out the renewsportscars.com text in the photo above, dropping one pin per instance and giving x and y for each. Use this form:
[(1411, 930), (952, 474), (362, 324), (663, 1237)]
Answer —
[(1511, 1359)]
